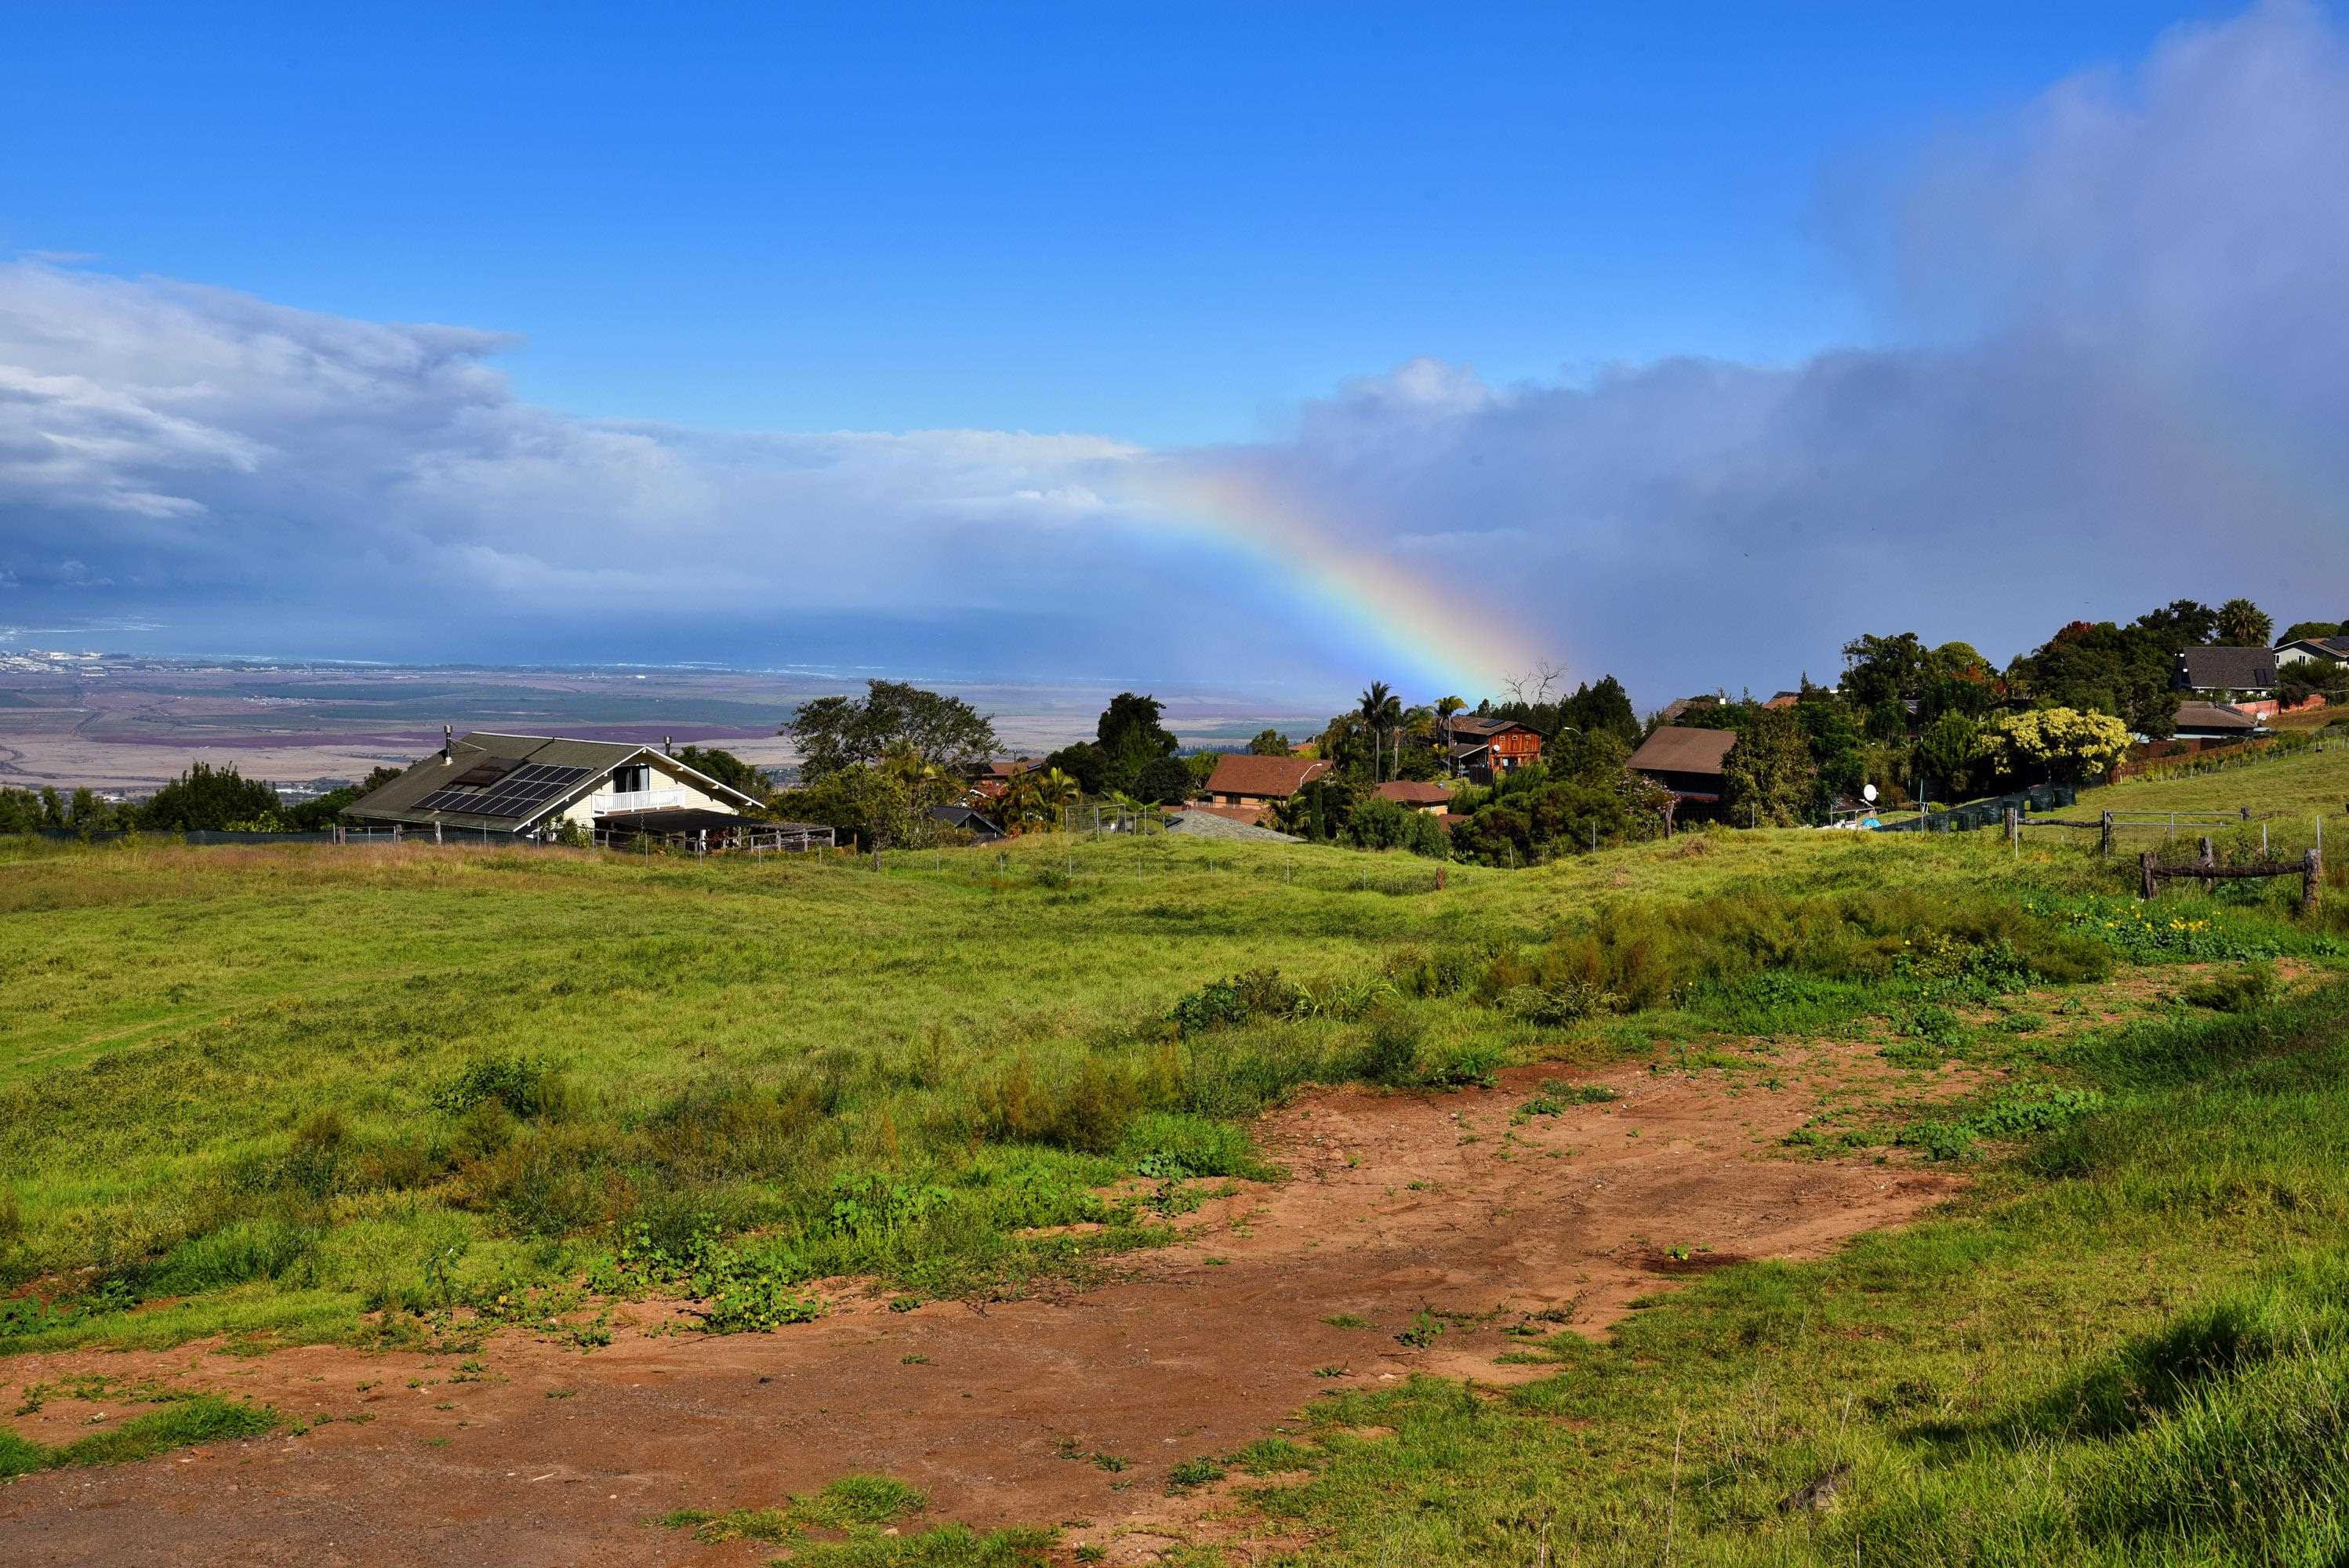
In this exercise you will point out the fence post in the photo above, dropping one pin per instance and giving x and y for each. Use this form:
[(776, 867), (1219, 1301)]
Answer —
[(2104, 840), (2208, 857), (2147, 887), (2312, 877)]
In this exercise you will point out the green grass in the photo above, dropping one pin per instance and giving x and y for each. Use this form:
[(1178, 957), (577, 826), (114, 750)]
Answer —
[(175, 1424), (273, 1089), (2131, 1346)]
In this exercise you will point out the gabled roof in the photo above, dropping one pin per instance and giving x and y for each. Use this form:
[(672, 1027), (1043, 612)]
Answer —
[(2215, 717), (1676, 748), (517, 779), (1413, 792), (1209, 823), (1271, 778), (2228, 670), (964, 817), (2335, 648)]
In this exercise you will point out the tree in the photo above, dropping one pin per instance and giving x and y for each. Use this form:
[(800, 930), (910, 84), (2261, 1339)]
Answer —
[(1948, 749), (207, 798), (1767, 777), (1270, 743), (2243, 625), (2300, 629), (1034, 801), (723, 765), (2181, 624), (2060, 744), (2303, 678), (1881, 669), (1163, 781), (1081, 762), (1835, 745), (1131, 738), (20, 811), (1602, 704), (1381, 712), (2128, 671), (834, 733), (1533, 687)]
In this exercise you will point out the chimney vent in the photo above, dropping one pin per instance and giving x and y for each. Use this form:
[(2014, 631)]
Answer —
[(665, 751), (447, 746)]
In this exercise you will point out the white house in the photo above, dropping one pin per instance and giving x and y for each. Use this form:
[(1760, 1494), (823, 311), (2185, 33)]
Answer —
[(528, 785)]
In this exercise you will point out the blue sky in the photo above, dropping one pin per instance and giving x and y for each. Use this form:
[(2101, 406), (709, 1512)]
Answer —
[(1271, 349), (1161, 223)]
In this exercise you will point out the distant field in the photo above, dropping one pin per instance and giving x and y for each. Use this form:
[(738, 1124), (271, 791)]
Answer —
[(300, 1094)]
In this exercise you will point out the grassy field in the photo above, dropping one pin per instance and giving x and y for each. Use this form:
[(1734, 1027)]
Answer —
[(301, 1093)]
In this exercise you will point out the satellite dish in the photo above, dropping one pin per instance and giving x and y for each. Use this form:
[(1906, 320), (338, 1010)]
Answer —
[(1868, 793)]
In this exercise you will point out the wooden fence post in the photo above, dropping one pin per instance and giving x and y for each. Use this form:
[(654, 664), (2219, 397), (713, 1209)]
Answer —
[(2209, 857), (2147, 887), (2312, 878), (2105, 842)]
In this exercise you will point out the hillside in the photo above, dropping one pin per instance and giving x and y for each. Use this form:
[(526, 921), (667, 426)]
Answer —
[(573, 1123)]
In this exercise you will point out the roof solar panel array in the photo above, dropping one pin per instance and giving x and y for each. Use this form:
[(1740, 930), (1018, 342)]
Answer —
[(516, 794)]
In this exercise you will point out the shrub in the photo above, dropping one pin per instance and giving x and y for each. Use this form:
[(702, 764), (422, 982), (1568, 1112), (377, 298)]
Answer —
[(1390, 1053), (526, 1085), (2240, 990), (1221, 1004)]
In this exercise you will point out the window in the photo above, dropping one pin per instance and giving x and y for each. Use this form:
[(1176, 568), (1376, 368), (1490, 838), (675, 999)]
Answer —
[(633, 777)]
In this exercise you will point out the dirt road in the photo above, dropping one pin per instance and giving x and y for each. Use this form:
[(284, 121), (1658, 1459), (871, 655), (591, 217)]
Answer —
[(548, 1456)]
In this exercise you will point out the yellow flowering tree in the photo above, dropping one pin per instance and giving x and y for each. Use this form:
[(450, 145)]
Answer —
[(2057, 743)]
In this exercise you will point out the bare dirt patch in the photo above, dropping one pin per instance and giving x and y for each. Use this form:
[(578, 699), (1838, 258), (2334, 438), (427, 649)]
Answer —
[(1445, 1219)]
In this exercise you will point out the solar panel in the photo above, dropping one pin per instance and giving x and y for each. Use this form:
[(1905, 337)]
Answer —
[(515, 793)]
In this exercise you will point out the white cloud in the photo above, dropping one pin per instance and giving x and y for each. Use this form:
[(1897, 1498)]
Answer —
[(2117, 372)]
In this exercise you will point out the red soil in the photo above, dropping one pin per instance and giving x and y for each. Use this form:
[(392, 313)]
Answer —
[(1395, 1201)]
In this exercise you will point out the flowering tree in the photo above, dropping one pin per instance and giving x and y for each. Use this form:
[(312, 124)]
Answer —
[(2057, 742)]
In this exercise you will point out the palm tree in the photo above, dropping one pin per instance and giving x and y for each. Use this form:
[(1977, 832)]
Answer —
[(1380, 710)]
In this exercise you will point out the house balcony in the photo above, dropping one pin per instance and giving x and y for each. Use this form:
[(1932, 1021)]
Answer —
[(642, 800)]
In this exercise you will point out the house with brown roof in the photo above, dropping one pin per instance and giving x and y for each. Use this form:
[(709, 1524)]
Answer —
[(1417, 795), (2214, 721), (1245, 788), (990, 778), (1685, 761)]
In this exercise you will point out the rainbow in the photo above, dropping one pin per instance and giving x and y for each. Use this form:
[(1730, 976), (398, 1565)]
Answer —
[(1450, 643)]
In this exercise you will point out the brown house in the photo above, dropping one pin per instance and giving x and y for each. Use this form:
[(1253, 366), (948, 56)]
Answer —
[(1246, 786), (1432, 798), (1685, 761), (1482, 747)]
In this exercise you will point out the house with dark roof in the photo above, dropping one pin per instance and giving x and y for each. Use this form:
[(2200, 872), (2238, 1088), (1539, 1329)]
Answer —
[(2327, 650), (1243, 788), (1685, 761), (1480, 746), (530, 786), (2243, 672), (964, 819)]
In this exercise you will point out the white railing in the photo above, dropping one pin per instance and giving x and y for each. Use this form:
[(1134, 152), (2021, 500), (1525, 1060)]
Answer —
[(642, 800)]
